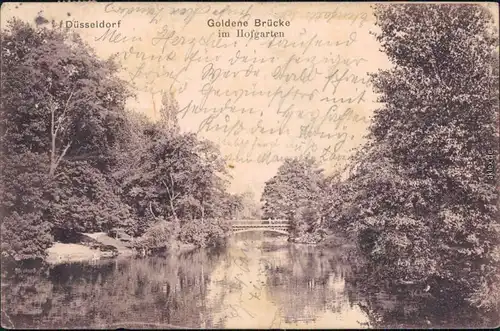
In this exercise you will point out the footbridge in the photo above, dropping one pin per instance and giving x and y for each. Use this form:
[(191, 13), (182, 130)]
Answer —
[(279, 226)]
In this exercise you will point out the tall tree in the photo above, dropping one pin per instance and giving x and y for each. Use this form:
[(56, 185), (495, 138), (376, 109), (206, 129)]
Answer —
[(168, 113), (251, 208), (297, 183), (59, 98), (424, 200), (64, 107), (176, 176)]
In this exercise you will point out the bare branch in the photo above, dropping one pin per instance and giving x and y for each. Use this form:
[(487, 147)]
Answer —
[(53, 140), (67, 102), (59, 174), (64, 152), (60, 119), (53, 108), (55, 164), (166, 187), (151, 210), (171, 196), (54, 131)]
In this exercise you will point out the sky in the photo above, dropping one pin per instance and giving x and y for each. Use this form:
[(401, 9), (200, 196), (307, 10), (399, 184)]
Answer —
[(302, 89)]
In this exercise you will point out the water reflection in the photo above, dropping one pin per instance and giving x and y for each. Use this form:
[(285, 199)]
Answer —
[(134, 292), (288, 287), (256, 282), (400, 307)]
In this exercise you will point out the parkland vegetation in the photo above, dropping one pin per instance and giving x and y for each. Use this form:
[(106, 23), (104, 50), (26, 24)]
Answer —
[(418, 202), (75, 159), (420, 198)]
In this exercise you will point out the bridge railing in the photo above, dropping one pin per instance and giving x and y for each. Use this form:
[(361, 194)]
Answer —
[(260, 225), (243, 226), (260, 222)]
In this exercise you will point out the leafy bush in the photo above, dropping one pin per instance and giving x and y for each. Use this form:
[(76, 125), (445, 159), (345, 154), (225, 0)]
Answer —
[(308, 238), (84, 201), (77, 161), (205, 233), (304, 220), (24, 203), (160, 237), (334, 241), (25, 236)]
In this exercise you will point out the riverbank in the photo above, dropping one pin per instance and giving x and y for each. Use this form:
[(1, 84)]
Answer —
[(65, 253), (92, 246), (324, 241), (97, 246)]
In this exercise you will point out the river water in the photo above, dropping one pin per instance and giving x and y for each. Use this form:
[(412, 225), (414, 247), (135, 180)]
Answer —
[(256, 282)]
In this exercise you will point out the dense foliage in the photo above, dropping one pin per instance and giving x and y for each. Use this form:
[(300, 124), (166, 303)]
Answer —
[(204, 233), (419, 202), (75, 160), (420, 198), (294, 194), (24, 202), (62, 115), (430, 213), (251, 208)]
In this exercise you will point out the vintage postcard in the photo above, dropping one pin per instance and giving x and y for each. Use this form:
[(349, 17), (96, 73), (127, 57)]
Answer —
[(281, 165)]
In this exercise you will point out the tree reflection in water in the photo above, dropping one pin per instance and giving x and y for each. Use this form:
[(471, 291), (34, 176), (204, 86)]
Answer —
[(408, 306), (27, 293), (153, 292), (299, 286), (308, 283)]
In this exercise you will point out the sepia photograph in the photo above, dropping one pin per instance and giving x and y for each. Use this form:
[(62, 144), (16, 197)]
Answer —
[(249, 165)]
